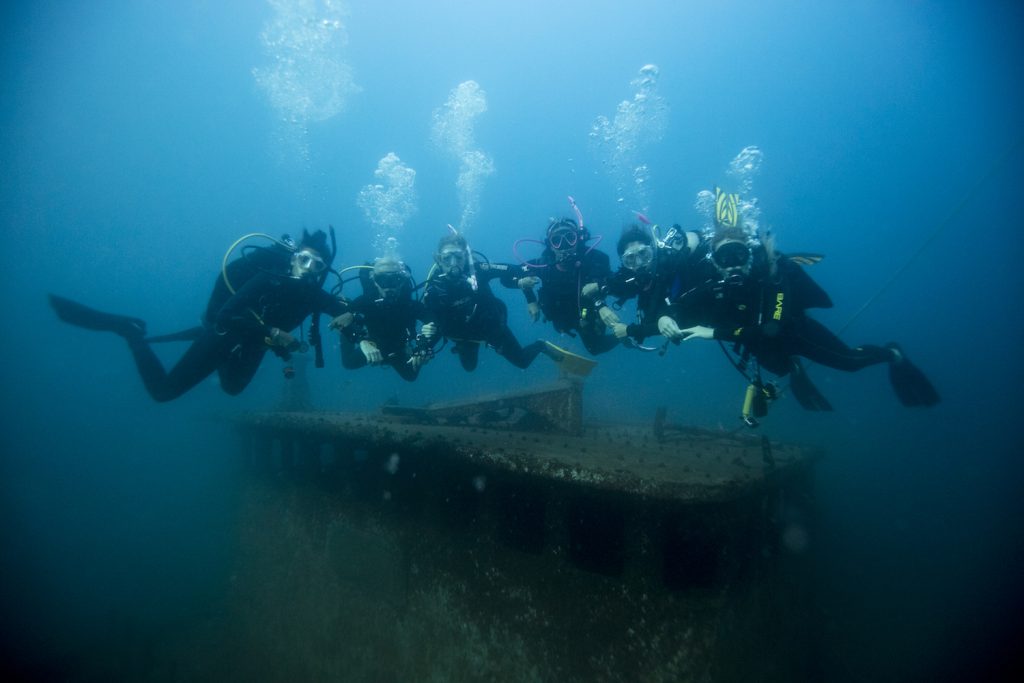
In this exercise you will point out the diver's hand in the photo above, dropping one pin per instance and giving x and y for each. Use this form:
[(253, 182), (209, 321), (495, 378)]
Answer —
[(668, 329), (429, 331), (698, 332), (341, 322), (533, 309), (608, 316), (528, 282), (282, 339), (620, 330), (590, 289), (418, 360), (370, 350)]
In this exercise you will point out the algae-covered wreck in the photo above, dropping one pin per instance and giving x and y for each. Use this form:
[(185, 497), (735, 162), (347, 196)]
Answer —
[(505, 539)]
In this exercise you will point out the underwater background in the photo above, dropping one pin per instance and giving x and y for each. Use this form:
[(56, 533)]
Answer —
[(140, 139)]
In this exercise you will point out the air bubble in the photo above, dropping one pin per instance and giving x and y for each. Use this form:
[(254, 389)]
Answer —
[(637, 124)]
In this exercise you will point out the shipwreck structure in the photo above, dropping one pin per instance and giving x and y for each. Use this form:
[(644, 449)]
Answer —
[(505, 539)]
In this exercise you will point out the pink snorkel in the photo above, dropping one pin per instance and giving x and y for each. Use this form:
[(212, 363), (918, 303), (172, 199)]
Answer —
[(579, 214)]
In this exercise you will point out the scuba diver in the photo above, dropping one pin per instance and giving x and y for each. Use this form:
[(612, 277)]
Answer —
[(380, 324), (465, 311), (571, 276), (255, 301), (653, 270), (746, 293)]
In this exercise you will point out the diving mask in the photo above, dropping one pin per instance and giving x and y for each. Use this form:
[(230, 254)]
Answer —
[(638, 257), (732, 255), (306, 261), (561, 240), (390, 280), (452, 260)]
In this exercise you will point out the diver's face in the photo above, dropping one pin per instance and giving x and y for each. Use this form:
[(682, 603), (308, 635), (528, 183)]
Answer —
[(389, 284), (307, 262), (638, 257), (732, 258), (452, 261), (563, 243)]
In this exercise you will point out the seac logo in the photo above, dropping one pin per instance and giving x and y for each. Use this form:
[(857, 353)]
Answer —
[(778, 306)]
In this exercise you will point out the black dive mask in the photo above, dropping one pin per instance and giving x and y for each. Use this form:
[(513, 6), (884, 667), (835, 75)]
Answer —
[(733, 261), (390, 284)]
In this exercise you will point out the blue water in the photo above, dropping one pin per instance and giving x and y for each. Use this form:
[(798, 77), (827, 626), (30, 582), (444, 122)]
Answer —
[(140, 139)]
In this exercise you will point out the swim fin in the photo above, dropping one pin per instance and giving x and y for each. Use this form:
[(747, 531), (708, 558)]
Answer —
[(75, 313), (804, 391), (912, 388), (568, 361)]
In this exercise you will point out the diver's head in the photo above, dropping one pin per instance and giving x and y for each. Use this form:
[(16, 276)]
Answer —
[(390, 277), (308, 259), (307, 262), (452, 256), (636, 250), (731, 253), (564, 238)]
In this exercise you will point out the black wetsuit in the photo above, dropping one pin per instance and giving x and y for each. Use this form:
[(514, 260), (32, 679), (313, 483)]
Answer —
[(236, 326), (765, 315), (653, 290), (391, 325), (560, 296), (471, 316)]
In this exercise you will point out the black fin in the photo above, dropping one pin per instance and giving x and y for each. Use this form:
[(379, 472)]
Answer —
[(912, 388), (804, 391), (75, 313)]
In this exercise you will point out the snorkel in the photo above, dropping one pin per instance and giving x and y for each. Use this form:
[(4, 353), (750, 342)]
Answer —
[(584, 233)]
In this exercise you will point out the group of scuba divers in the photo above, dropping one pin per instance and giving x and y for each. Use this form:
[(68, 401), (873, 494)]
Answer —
[(724, 284)]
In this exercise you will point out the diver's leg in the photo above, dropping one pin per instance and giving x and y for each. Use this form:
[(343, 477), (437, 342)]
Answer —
[(351, 357), (595, 341), (508, 347), (241, 366), (198, 362), (468, 353), (814, 341), (405, 370)]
